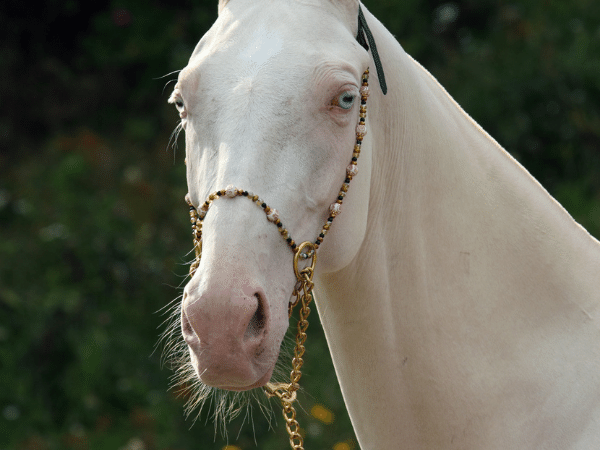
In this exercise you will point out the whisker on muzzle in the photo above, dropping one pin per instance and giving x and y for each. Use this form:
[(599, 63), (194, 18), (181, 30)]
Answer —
[(222, 406)]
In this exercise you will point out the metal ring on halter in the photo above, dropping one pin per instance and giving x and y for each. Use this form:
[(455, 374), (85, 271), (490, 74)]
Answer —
[(311, 253)]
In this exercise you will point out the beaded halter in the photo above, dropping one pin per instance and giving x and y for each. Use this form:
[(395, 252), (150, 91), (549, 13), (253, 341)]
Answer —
[(197, 216), (286, 392)]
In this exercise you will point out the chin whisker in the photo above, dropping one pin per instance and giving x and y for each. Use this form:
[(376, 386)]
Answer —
[(222, 406)]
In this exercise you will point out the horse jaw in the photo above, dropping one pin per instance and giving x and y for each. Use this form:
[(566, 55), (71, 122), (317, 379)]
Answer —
[(254, 123)]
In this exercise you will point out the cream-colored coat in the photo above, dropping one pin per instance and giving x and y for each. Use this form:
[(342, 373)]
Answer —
[(461, 303), (470, 318)]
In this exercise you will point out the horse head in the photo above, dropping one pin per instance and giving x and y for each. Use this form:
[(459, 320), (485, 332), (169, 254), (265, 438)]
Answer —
[(269, 102)]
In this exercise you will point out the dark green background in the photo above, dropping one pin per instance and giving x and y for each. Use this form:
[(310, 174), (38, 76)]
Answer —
[(94, 231)]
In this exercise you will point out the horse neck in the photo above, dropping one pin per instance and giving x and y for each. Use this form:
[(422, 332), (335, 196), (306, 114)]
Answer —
[(460, 240), (444, 192)]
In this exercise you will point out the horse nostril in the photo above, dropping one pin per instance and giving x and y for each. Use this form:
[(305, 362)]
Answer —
[(258, 320)]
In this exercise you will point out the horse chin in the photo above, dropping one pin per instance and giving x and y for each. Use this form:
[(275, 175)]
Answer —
[(260, 383), (237, 374)]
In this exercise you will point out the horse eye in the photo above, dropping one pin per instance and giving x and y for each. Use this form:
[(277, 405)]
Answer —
[(345, 100), (180, 107)]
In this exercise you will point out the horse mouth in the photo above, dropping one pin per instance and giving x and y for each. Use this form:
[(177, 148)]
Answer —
[(258, 384), (249, 377)]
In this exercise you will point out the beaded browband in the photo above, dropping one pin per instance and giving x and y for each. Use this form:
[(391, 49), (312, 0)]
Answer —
[(197, 216)]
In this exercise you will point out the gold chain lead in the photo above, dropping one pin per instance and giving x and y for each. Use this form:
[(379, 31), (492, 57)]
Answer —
[(286, 392)]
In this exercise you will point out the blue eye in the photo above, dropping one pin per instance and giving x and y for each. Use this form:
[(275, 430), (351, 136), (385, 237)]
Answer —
[(345, 100)]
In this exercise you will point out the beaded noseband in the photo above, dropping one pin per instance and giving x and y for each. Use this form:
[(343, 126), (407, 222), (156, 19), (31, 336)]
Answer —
[(286, 392)]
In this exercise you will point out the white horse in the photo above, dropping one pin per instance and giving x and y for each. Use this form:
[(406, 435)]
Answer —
[(461, 303)]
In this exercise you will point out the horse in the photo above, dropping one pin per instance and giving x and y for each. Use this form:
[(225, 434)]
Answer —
[(460, 301)]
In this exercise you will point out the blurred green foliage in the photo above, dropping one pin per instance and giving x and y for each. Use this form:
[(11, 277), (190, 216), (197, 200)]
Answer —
[(94, 237)]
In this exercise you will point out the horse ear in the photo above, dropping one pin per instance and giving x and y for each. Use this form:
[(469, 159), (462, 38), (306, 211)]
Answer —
[(222, 4)]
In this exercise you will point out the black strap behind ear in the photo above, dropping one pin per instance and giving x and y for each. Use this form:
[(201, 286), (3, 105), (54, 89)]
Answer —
[(360, 37)]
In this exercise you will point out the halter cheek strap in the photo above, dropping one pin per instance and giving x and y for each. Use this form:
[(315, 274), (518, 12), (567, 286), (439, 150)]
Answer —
[(363, 29)]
